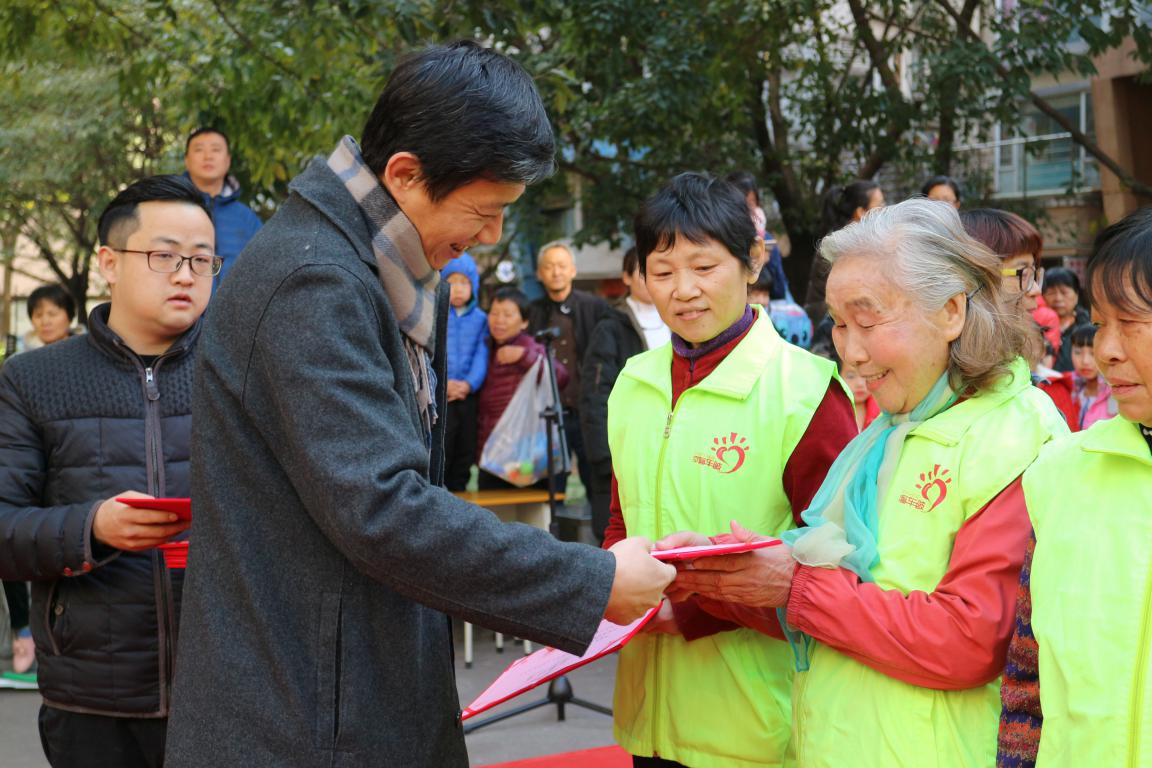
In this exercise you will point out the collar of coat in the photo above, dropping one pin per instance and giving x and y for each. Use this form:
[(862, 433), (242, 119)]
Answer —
[(109, 342)]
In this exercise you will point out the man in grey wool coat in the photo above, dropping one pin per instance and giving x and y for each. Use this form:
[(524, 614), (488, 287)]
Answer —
[(324, 552)]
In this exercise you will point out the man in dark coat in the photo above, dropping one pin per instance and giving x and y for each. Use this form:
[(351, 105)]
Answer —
[(574, 313), (634, 326), (82, 422), (324, 555)]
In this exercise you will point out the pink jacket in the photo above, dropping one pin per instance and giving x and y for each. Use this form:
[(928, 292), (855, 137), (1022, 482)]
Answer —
[(1098, 408)]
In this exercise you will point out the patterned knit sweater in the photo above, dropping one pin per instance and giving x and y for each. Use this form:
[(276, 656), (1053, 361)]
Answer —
[(1021, 719)]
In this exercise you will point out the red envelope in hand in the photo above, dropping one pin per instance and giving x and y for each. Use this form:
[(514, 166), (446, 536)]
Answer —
[(182, 507), (710, 550)]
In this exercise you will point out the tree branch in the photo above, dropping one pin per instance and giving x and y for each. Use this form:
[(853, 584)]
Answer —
[(1078, 136), (260, 51)]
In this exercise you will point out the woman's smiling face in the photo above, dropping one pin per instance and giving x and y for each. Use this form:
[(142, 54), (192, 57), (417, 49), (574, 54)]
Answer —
[(699, 289), (1123, 350), (898, 349)]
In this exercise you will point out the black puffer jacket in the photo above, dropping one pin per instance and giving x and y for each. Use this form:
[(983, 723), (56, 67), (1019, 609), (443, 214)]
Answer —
[(81, 421)]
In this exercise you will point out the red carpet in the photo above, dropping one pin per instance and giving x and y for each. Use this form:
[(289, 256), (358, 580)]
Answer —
[(604, 757)]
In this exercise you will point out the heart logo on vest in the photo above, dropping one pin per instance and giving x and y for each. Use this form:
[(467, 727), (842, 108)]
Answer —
[(933, 486), (730, 452)]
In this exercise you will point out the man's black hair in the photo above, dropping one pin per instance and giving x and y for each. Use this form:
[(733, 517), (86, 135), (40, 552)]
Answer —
[(700, 208), (119, 217), (55, 294), (467, 113), (1120, 268), (514, 295), (204, 130), (937, 181), (1058, 276)]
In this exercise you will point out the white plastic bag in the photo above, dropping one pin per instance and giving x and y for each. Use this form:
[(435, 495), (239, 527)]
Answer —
[(517, 449)]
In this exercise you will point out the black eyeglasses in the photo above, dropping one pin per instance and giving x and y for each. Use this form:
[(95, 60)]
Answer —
[(168, 262), (1025, 276)]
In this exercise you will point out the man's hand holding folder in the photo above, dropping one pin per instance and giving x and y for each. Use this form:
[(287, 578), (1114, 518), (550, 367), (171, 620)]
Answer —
[(639, 583)]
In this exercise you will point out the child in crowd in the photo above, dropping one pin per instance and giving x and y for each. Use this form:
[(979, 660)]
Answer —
[(864, 404), (1090, 390), (789, 318), (512, 353), (467, 367)]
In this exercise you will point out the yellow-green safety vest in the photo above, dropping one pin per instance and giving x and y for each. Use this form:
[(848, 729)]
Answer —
[(950, 467), (1090, 500), (718, 455)]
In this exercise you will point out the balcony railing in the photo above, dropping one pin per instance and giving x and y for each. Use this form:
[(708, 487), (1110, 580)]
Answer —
[(1029, 166)]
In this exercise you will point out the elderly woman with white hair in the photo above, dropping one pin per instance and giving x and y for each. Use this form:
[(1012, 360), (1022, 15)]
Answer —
[(898, 596)]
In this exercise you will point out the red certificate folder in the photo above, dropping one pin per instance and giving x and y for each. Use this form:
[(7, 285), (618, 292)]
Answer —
[(182, 507), (709, 550), (548, 663)]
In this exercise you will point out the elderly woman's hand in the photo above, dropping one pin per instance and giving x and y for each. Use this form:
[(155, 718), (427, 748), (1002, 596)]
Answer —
[(760, 578)]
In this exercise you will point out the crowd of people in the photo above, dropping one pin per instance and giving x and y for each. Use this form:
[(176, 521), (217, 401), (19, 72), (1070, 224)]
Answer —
[(922, 440)]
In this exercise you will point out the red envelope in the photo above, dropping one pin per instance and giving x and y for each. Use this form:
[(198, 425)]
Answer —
[(182, 507), (548, 663), (175, 554), (709, 550)]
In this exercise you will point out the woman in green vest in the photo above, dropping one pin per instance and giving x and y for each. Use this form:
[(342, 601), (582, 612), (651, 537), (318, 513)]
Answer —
[(898, 598), (1077, 688), (726, 419)]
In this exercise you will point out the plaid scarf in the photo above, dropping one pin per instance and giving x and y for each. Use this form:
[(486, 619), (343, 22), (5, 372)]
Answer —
[(408, 280)]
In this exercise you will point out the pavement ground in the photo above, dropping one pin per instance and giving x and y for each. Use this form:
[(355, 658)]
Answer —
[(528, 735)]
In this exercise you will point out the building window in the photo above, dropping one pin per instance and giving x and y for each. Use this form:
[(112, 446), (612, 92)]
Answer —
[(1041, 158)]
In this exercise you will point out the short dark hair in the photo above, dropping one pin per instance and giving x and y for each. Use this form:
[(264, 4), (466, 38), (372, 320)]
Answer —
[(1058, 276), (1083, 335), (745, 182), (467, 113), (207, 129), (1003, 232), (55, 294), (514, 295), (698, 207), (631, 261), (1120, 268), (121, 212), (937, 181)]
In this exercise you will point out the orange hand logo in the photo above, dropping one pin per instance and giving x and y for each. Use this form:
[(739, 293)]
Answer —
[(935, 479), (735, 448)]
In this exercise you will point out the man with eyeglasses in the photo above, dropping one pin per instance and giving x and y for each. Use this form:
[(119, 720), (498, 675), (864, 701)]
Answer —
[(82, 422)]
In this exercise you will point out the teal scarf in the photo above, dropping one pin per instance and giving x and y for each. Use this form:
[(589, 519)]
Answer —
[(843, 519)]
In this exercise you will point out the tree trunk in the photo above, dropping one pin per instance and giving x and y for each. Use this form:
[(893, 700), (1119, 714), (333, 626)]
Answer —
[(946, 140), (77, 285), (8, 244)]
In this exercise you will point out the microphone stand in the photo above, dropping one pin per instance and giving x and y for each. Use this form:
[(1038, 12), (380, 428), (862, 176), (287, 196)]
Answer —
[(560, 690), (553, 417)]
